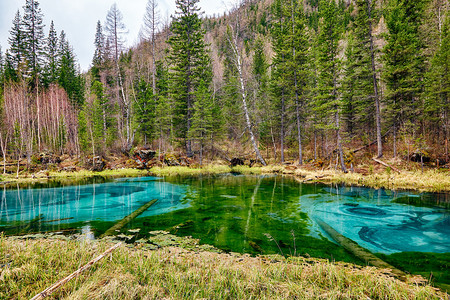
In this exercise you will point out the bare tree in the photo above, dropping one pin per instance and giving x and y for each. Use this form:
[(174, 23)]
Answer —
[(237, 60)]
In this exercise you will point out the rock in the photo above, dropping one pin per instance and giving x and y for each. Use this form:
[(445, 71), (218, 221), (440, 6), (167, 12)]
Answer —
[(48, 158), (69, 169), (171, 160), (96, 164), (144, 158), (236, 162)]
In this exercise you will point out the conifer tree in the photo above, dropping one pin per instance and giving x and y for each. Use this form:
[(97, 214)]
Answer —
[(361, 82), (330, 30), (51, 62), (203, 117), (68, 74), (189, 63), (33, 38), (99, 53), (437, 94), (403, 64), (16, 55)]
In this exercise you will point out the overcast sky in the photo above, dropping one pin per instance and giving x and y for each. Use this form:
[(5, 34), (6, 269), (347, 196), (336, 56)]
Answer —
[(78, 18)]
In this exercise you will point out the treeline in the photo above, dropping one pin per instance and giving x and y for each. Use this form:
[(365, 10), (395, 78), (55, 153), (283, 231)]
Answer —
[(271, 79), (41, 89)]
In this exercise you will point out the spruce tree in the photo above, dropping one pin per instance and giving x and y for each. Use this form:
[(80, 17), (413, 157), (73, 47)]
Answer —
[(203, 117), (51, 54), (68, 74), (437, 93), (16, 53), (99, 53), (361, 88), (330, 30), (189, 64), (403, 64), (33, 37)]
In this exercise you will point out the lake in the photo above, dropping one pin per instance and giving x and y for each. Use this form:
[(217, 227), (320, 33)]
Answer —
[(252, 214)]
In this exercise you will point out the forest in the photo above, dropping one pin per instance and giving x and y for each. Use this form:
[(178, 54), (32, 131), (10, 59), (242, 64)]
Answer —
[(277, 81)]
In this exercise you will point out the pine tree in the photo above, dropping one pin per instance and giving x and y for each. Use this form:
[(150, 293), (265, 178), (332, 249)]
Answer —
[(16, 44), (437, 93), (68, 75), (290, 64), (190, 64), (51, 62), (33, 37), (203, 117), (145, 110), (403, 64), (330, 30), (99, 54)]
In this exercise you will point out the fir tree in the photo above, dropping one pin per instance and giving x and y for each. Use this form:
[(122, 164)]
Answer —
[(203, 117), (51, 62), (99, 54), (68, 75), (16, 44), (403, 65), (190, 64), (330, 30), (33, 37), (437, 94)]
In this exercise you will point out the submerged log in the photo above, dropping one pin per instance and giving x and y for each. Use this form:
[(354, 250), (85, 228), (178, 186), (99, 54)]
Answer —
[(127, 219), (360, 252), (55, 286), (175, 228)]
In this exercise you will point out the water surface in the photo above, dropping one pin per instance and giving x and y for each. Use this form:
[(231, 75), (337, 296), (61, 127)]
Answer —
[(256, 214)]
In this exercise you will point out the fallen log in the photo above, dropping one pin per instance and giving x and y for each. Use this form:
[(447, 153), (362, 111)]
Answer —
[(360, 252), (54, 287), (386, 165), (56, 220), (128, 218)]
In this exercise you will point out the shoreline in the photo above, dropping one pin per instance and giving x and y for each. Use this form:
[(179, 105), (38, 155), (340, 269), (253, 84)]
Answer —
[(434, 181)]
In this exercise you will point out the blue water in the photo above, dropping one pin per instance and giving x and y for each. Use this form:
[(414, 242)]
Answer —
[(105, 202), (230, 211)]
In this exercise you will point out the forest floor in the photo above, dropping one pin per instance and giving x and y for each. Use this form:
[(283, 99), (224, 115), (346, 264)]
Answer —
[(181, 268)]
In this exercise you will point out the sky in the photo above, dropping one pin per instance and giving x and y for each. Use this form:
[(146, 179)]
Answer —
[(78, 18)]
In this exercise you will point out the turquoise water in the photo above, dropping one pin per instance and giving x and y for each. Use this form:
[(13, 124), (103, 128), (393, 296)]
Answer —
[(268, 214)]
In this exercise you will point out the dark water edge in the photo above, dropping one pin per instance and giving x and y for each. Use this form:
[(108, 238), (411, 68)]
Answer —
[(245, 227)]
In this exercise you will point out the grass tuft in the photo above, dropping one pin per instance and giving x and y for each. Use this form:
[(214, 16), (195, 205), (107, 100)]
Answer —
[(28, 267)]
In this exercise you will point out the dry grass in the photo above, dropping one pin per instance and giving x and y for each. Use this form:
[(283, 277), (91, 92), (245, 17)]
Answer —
[(429, 181), (28, 267)]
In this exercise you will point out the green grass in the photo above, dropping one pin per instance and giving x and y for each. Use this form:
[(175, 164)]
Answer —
[(28, 267), (186, 171), (428, 181)]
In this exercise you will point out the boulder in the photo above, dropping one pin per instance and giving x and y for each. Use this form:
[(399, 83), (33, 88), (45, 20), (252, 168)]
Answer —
[(48, 158), (96, 164), (236, 162), (144, 158)]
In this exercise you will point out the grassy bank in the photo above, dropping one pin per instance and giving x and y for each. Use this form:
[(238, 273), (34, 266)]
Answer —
[(29, 266), (428, 181)]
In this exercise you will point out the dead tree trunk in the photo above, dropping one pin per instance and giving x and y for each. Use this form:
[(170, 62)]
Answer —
[(375, 83), (232, 39)]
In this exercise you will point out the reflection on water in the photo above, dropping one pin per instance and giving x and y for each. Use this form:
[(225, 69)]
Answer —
[(373, 219), (239, 213), (106, 201)]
